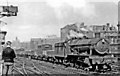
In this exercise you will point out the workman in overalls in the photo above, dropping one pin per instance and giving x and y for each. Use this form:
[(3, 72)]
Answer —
[(8, 56)]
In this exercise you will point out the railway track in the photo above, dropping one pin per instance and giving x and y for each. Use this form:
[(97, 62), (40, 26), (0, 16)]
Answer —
[(40, 68), (59, 68), (26, 69), (79, 71), (49, 68), (17, 72)]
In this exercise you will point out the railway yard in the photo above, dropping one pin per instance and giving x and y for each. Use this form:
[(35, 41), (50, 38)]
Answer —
[(29, 67), (81, 50)]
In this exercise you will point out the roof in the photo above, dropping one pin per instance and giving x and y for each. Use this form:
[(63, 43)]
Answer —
[(61, 44), (114, 44), (46, 44), (83, 42)]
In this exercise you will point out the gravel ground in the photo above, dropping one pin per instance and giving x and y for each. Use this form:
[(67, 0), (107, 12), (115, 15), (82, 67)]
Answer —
[(49, 69)]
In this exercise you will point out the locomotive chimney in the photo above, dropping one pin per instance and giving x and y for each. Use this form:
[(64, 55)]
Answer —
[(108, 25)]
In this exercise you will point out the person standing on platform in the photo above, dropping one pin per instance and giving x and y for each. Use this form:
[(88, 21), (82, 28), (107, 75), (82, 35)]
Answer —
[(8, 56)]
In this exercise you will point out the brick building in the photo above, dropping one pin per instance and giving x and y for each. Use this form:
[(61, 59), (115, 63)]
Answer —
[(106, 31), (16, 43), (35, 42), (91, 31), (25, 45), (76, 30)]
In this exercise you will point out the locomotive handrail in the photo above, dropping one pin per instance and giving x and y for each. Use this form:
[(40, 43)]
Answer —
[(80, 44)]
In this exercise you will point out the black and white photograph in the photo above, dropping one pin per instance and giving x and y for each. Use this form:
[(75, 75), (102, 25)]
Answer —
[(59, 37)]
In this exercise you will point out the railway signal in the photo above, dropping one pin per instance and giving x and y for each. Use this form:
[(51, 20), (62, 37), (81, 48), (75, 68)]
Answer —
[(8, 10)]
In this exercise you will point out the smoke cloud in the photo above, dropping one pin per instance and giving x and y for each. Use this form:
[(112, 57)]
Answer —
[(79, 6)]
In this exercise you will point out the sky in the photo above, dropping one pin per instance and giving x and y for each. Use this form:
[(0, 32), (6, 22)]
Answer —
[(39, 18)]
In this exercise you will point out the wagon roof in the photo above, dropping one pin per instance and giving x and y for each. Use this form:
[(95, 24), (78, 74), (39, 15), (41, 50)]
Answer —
[(82, 42)]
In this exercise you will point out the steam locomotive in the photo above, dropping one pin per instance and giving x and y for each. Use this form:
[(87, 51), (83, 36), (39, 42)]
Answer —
[(88, 54)]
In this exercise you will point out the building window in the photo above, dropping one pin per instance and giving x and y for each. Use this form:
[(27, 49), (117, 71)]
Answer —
[(97, 35)]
